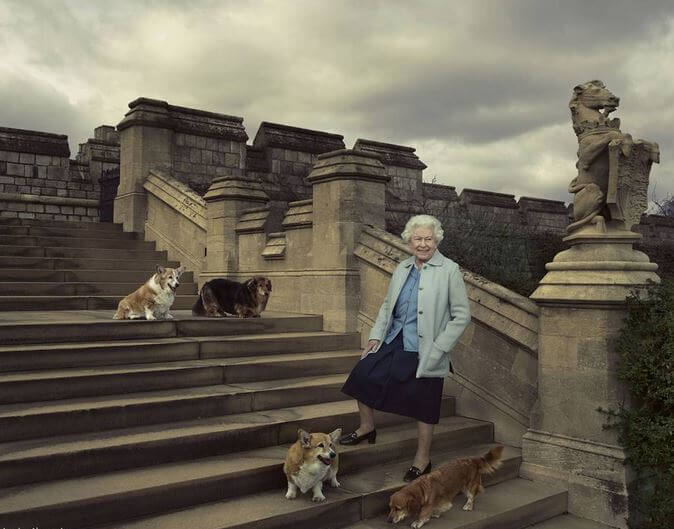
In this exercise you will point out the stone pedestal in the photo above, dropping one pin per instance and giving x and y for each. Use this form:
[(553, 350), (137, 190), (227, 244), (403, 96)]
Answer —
[(145, 143), (225, 200), (349, 190), (582, 302)]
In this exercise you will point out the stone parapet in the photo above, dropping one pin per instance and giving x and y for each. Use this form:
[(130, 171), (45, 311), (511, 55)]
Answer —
[(160, 114), (27, 206), (300, 214), (253, 220), (176, 220), (476, 197), (34, 142), (396, 155), (275, 135)]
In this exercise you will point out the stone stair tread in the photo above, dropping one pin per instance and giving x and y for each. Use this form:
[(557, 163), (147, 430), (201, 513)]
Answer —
[(133, 481), (131, 399), (69, 317), (127, 437), (69, 373), (103, 344), (569, 521), (501, 498)]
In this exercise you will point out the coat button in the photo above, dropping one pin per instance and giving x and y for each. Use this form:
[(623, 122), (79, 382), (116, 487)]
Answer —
[(420, 336), (421, 312), (421, 288)]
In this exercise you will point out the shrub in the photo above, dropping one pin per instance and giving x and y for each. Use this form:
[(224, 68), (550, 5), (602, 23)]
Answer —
[(646, 427)]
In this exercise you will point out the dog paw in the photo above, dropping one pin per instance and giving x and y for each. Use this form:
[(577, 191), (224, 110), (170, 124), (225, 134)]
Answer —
[(291, 495), (169, 316), (468, 507), (318, 499), (334, 483), (417, 524)]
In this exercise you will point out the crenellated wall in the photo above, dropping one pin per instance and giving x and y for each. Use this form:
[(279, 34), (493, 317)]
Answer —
[(39, 181)]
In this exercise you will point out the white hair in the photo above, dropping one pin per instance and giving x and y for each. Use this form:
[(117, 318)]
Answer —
[(423, 221)]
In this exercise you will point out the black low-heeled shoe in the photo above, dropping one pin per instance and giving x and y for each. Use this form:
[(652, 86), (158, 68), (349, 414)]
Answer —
[(353, 438), (413, 472)]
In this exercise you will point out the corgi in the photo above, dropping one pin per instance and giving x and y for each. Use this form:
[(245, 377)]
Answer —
[(432, 494), (153, 299), (310, 461)]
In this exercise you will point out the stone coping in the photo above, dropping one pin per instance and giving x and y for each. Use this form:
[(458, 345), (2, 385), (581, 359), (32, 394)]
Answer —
[(34, 142), (160, 114), (296, 138), (48, 199), (397, 155), (177, 196)]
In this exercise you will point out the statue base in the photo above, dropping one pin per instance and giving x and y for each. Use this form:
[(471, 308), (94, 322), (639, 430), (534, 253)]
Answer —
[(582, 309)]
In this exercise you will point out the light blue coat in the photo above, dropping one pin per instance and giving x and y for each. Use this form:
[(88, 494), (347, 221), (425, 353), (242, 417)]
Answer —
[(443, 314)]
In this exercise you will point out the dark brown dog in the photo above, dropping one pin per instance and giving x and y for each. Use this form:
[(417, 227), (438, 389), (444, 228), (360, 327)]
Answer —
[(432, 494), (219, 297)]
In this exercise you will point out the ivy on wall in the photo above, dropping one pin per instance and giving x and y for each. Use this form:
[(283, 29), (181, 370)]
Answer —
[(646, 426)]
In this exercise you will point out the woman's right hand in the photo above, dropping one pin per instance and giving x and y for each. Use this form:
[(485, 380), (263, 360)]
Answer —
[(372, 344)]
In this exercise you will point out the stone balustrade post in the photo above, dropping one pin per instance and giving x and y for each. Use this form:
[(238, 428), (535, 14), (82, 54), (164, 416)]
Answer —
[(349, 189), (225, 200)]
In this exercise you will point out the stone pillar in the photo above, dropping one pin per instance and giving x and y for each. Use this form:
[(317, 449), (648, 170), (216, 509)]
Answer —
[(145, 143), (582, 302), (225, 200), (349, 189)]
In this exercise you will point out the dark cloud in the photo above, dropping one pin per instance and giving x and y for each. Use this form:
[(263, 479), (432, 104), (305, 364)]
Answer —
[(480, 88)]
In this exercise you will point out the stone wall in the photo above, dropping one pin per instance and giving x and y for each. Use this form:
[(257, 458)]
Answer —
[(176, 220), (495, 361), (39, 181)]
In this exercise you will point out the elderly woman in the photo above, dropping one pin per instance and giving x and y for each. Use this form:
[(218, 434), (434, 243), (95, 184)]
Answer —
[(407, 357)]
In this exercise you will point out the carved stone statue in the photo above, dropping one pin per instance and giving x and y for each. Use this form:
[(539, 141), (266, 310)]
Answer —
[(613, 169)]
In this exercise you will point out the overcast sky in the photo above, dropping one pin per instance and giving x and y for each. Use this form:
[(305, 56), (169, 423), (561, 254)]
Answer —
[(480, 89)]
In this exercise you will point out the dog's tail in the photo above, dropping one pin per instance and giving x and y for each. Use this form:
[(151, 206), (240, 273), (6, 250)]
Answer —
[(491, 460), (198, 308)]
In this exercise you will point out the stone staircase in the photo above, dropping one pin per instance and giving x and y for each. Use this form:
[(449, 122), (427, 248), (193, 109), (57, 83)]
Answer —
[(63, 265), (185, 423)]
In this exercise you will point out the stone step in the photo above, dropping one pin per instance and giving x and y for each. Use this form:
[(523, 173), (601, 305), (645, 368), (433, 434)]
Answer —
[(11, 303), (87, 326), (28, 421), (125, 494), (60, 355), (54, 384), (59, 263), (569, 521), (34, 288), (84, 253), (509, 504), (98, 276), (75, 242), (92, 230), (66, 456), (69, 224), (512, 504)]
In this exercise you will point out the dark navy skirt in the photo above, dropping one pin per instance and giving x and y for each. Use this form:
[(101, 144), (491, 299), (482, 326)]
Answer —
[(386, 381)]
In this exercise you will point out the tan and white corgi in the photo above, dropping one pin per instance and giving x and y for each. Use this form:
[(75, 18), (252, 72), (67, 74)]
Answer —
[(311, 460), (152, 300)]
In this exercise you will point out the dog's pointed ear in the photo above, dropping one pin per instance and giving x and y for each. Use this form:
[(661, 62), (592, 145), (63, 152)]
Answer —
[(160, 269), (180, 270), (304, 438), (336, 435)]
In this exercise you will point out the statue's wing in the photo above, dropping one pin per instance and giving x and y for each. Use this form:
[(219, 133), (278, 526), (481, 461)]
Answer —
[(627, 194)]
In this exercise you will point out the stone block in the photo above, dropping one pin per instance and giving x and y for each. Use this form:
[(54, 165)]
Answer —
[(6, 179), (3, 167), (195, 155), (8, 214), (74, 217), (67, 210), (60, 217), (27, 158), (36, 190), (79, 210), (232, 160), (36, 208), (15, 169), (11, 188), (51, 208), (55, 173), (61, 192), (25, 215), (16, 206), (41, 171), (24, 189), (92, 212), (180, 139), (206, 157), (201, 142), (12, 157)]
